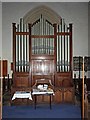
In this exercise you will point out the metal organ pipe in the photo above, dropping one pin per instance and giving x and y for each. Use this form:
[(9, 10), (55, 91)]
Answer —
[(17, 49), (22, 48), (63, 47), (42, 43)]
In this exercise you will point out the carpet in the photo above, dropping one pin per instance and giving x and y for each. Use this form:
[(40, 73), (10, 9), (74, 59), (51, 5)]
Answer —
[(42, 111)]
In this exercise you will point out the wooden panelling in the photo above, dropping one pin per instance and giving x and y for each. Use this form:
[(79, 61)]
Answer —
[(47, 77), (65, 88), (65, 77), (0, 68), (68, 94), (64, 95), (4, 67), (58, 97), (42, 67), (43, 98), (22, 80)]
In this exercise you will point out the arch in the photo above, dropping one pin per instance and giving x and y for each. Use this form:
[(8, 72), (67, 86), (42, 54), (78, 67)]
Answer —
[(47, 12)]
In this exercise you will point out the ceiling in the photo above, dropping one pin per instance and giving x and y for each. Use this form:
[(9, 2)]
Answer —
[(44, 0)]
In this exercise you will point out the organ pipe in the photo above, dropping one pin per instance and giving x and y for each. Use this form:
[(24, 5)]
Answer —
[(44, 45)]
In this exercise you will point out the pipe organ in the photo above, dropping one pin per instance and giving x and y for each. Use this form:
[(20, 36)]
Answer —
[(41, 50)]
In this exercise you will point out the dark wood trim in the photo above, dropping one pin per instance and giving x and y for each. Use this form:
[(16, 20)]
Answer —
[(42, 36), (30, 52), (63, 33), (14, 47), (55, 49), (70, 27), (49, 57), (22, 33)]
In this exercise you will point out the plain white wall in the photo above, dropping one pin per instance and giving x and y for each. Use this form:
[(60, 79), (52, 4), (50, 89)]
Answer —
[(74, 12), (0, 30), (89, 28), (89, 33)]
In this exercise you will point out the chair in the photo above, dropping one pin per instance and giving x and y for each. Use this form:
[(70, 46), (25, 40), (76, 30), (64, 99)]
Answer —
[(43, 82)]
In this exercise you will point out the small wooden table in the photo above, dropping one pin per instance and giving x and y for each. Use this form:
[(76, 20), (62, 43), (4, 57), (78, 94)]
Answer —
[(36, 93), (21, 95)]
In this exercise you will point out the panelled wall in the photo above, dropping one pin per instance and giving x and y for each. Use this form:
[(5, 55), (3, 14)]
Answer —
[(3, 68)]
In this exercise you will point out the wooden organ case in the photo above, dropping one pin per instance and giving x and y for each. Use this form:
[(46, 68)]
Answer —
[(42, 50)]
